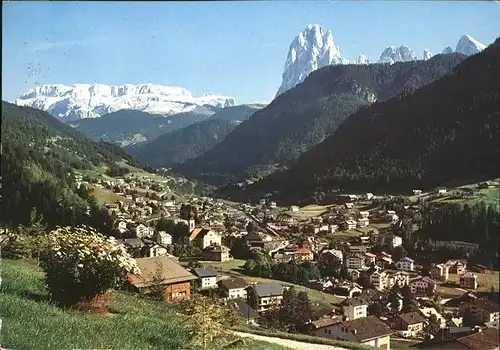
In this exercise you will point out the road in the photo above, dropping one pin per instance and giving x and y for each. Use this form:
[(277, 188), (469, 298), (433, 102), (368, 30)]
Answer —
[(292, 344)]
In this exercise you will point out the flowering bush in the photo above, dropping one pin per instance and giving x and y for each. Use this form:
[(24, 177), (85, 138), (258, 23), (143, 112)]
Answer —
[(81, 263)]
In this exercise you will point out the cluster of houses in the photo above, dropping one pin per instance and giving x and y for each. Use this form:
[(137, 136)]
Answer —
[(351, 322), (372, 274)]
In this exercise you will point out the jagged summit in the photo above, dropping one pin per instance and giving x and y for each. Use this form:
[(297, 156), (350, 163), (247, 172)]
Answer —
[(447, 50), (81, 101), (427, 54), (399, 54), (314, 48), (469, 46), (362, 59), (311, 49)]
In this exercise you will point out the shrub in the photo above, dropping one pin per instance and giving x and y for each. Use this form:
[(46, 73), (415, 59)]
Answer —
[(81, 263)]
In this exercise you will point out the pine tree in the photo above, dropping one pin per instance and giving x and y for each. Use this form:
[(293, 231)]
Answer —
[(204, 321)]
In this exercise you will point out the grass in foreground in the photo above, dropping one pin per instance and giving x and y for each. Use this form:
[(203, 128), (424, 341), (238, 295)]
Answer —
[(30, 321)]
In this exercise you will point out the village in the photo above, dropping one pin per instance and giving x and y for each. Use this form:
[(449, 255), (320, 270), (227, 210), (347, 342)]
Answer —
[(363, 284)]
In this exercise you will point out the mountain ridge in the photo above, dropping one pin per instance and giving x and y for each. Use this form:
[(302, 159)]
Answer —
[(448, 133), (80, 101), (193, 140), (314, 48), (305, 115)]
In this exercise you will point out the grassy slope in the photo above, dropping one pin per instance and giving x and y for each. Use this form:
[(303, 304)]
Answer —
[(29, 321)]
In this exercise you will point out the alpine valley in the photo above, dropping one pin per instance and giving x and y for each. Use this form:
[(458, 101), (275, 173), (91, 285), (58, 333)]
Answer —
[(357, 207)]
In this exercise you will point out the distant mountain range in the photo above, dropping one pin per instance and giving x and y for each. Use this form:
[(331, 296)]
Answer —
[(314, 48), (80, 101), (444, 133), (300, 118)]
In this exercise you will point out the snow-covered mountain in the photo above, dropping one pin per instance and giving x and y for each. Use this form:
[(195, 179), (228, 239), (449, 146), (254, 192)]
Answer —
[(81, 101), (362, 59), (427, 54), (397, 54), (447, 50), (314, 48), (466, 45), (311, 49), (469, 46)]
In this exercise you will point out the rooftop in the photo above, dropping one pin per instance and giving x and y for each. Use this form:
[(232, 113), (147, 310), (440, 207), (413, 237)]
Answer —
[(171, 272), (268, 289), (244, 309), (487, 339), (234, 283), (412, 318), (205, 272), (367, 328), (486, 304)]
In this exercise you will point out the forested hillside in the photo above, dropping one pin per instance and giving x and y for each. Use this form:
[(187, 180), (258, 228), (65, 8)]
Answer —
[(446, 132), (191, 141), (127, 127), (304, 116), (180, 145), (39, 155)]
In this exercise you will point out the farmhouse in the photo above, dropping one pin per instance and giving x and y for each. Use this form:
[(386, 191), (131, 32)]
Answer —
[(172, 277), (368, 330)]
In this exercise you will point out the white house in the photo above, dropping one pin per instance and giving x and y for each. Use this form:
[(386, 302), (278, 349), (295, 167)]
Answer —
[(234, 288), (406, 264), (294, 208), (368, 196), (349, 205), (396, 241), (367, 330), (354, 309), (355, 262), (141, 231), (441, 191), (359, 248), (208, 277), (390, 215), (163, 238), (363, 222)]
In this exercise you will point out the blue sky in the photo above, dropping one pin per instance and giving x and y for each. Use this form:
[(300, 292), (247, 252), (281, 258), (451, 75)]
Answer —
[(231, 48)]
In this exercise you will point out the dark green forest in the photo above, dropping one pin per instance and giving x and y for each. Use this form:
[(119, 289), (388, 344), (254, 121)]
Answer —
[(39, 156), (186, 143), (477, 223), (445, 133), (180, 145), (304, 116)]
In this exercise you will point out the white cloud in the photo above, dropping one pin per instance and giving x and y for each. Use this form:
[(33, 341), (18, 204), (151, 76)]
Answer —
[(49, 45)]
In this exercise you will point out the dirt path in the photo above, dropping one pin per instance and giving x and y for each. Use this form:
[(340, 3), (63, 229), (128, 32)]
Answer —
[(292, 344)]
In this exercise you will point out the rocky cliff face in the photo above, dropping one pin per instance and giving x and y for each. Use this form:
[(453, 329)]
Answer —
[(397, 54), (311, 49)]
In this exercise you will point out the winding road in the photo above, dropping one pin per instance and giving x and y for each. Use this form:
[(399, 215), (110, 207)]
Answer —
[(292, 344)]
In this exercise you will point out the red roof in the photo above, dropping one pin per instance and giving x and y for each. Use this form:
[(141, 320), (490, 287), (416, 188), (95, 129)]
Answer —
[(303, 251)]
